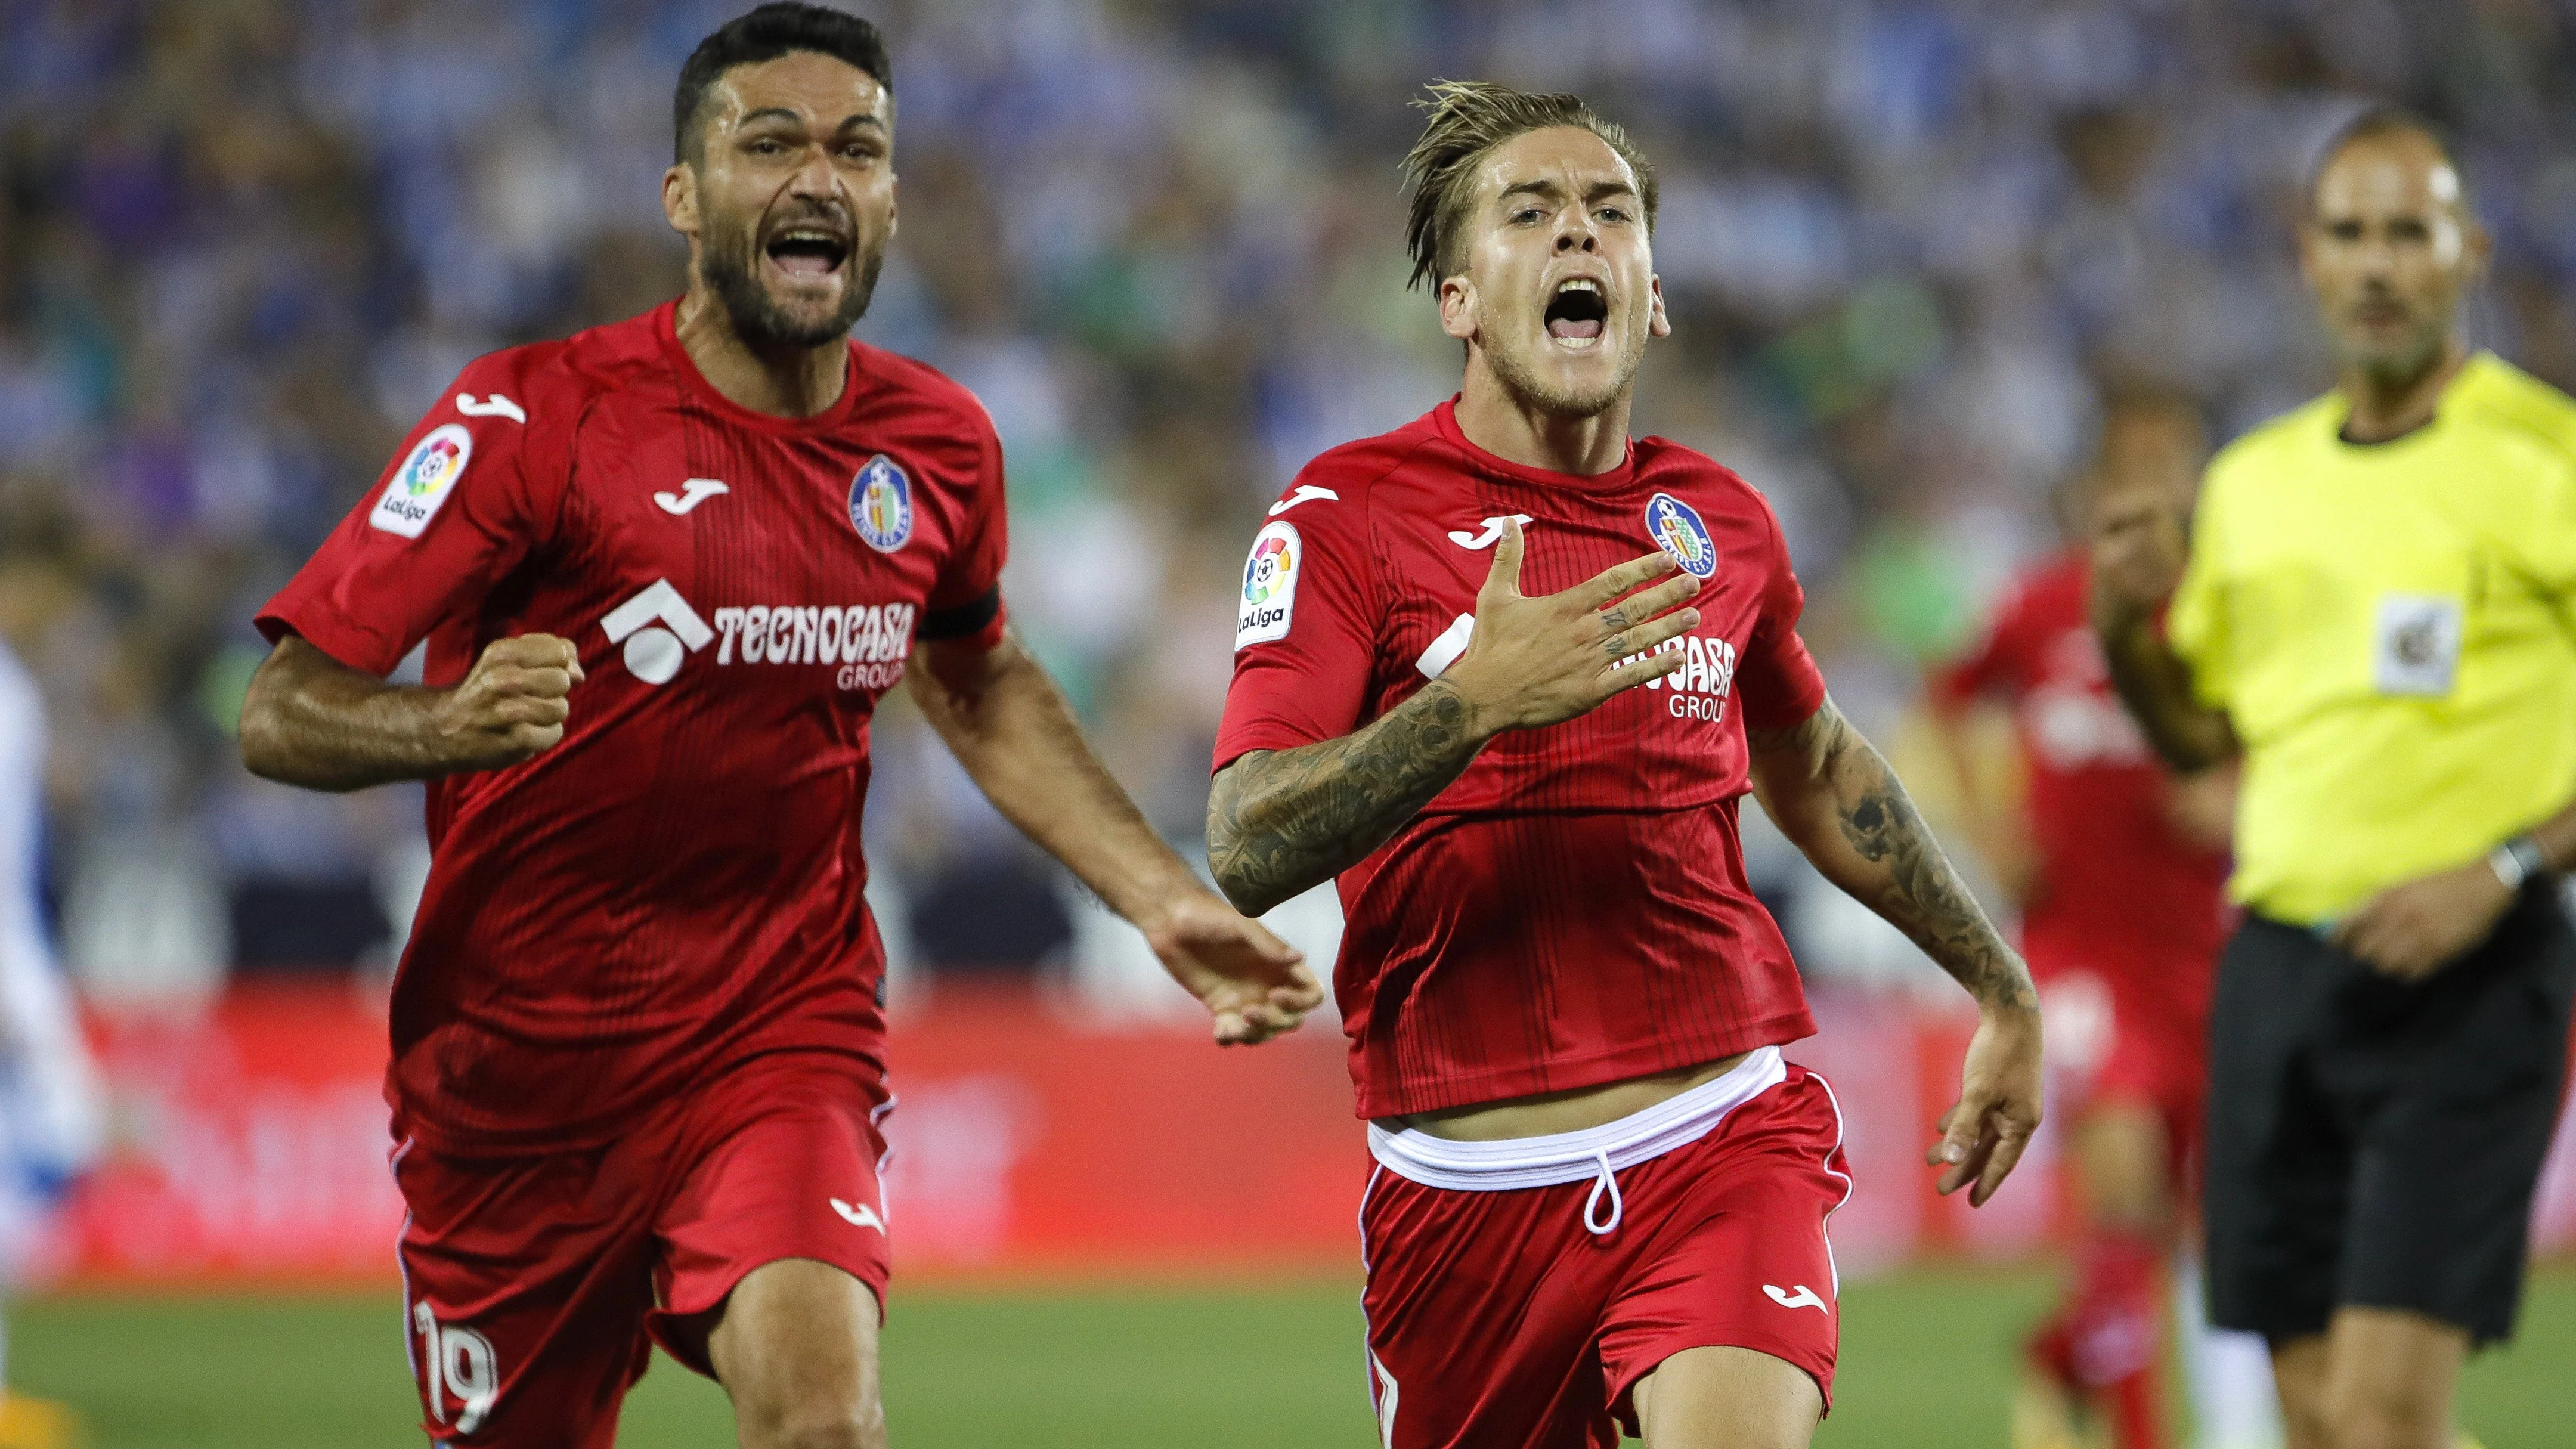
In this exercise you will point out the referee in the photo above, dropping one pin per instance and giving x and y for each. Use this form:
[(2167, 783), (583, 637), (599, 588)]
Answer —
[(2377, 611)]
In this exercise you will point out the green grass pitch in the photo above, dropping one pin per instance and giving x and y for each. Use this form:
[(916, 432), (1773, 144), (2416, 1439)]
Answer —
[(1925, 1356)]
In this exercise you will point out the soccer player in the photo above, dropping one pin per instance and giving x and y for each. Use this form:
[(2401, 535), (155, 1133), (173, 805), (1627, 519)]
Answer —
[(2376, 617), (1521, 747), (52, 1121), (2118, 866), (665, 569)]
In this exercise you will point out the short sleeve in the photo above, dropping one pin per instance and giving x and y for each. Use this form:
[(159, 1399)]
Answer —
[(2195, 621), (1777, 679), (2550, 543), (1306, 622), (965, 602), (454, 512)]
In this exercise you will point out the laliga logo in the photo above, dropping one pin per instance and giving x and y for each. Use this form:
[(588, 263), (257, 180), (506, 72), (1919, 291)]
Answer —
[(421, 485), (654, 655), (1676, 526), (1267, 569), (1269, 585), (433, 463)]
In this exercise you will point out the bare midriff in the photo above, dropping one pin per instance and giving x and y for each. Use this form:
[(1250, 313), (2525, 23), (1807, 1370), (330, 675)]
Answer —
[(1549, 1113)]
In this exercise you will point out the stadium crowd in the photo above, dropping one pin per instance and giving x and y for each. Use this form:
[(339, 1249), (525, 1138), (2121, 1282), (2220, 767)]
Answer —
[(243, 244)]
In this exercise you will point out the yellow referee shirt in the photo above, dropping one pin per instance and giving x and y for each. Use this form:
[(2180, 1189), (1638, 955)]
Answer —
[(2391, 628)]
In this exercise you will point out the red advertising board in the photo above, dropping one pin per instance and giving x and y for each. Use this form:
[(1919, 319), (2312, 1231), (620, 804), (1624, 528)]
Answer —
[(250, 1147)]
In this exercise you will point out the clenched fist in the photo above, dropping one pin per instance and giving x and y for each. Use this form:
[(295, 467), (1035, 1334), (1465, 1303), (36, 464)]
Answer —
[(513, 705), (1534, 662)]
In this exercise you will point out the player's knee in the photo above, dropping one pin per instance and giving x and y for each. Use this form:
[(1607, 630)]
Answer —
[(814, 1421), (2386, 1415), (2306, 1425)]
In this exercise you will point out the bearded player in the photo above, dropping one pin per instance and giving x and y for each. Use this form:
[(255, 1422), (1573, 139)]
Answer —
[(1507, 673), (2120, 869), (665, 570)]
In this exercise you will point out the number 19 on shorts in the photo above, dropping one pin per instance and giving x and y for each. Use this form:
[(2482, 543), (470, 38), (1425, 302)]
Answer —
[(455, 1363)]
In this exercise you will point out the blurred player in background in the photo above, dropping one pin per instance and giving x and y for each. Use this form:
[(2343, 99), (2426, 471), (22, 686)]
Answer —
[(49, 1101), (1521, 747), (2118, 867), (2379, 618), (665, 569)]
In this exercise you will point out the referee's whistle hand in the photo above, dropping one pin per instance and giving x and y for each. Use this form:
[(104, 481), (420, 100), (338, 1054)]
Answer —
[(2412, 930)]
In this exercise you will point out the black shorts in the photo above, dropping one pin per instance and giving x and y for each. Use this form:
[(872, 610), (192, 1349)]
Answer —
[(2377, 1143)]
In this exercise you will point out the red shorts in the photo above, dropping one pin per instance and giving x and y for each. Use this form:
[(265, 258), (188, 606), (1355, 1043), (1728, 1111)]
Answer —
[(531, 1284), (1500, 1319)]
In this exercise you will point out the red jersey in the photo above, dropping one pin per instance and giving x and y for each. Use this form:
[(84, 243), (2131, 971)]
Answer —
[(1572, 910), (2117, 886), (677, 884)]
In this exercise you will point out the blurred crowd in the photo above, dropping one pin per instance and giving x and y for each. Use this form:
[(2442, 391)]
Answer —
[(245, 243)]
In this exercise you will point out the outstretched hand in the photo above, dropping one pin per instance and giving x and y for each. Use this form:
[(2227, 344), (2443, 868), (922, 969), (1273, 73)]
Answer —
[(1255, 985), (1984, 1133)]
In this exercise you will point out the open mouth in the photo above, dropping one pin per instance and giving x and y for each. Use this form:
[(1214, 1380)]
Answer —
[(808, 251), (1577, 313)]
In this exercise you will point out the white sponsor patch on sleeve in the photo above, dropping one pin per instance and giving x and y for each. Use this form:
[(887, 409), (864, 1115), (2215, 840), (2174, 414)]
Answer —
[(1270, 585), (427, 475)]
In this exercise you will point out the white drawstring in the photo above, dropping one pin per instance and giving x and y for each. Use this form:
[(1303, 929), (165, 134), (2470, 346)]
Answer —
[(1607, 1181)]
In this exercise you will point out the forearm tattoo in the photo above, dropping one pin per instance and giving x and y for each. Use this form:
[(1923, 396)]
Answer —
[(1281, 822), (1880, 851)]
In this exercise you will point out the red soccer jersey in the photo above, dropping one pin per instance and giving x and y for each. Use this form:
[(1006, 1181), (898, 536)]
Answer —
[(2118, 889), (677, 884), (1573, 909)]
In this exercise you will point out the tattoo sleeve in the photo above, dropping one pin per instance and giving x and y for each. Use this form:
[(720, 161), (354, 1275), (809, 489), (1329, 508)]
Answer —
[(1832, 794), (1281, 822)]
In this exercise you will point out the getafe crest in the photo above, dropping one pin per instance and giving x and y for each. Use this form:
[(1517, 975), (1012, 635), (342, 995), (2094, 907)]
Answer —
[(881, 504), (1676, 527)]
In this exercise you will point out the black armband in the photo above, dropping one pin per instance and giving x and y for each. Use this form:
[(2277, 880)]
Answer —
[(963, 621)]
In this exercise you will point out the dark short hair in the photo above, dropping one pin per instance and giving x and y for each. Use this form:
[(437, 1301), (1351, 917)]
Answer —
[(2381, 121), (773, 30), (1468, 120)]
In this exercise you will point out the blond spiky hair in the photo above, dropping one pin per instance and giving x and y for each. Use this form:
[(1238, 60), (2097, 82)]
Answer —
[(1469, 119)]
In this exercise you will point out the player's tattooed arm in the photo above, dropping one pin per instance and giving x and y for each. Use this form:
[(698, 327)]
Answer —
[(1281, 822), (1833, 795)]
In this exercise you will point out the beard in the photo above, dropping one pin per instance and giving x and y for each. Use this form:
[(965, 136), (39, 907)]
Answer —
[(1522, 380), (2401, 363), (732, 272)]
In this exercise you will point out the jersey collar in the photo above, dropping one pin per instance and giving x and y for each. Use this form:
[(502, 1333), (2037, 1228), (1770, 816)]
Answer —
[(693, 382), (2474, 377)]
